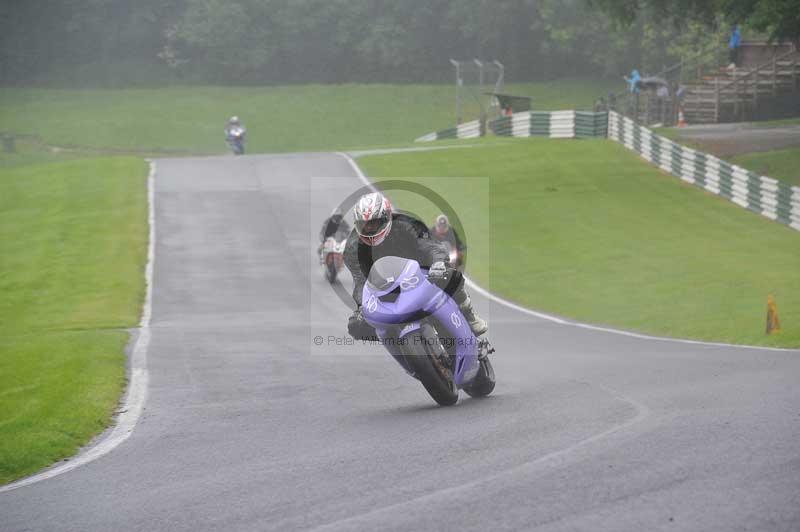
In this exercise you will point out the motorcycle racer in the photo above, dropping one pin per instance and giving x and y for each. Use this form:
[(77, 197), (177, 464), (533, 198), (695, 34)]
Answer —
[(379, 232), (334, 226), (235, 133), (442, 231)]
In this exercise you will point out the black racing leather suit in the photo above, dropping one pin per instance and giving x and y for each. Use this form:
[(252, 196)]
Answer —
[(335, 226), (408, 238)]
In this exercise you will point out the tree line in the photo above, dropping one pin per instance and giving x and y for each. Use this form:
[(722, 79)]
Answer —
[(130, 42)]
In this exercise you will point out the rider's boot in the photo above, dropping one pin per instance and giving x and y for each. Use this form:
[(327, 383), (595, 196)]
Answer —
[(476, 323)]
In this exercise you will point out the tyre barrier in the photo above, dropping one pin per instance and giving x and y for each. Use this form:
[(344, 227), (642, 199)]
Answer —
[(761, 194), (467, 130), (553, 124)]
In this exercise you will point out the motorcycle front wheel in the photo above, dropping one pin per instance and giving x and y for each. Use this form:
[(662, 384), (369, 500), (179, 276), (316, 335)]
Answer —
[(423, 352), (484, 381)]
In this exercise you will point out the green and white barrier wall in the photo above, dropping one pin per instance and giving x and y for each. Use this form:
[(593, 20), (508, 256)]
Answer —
[(763, 195), (467, 130), (553, 124)]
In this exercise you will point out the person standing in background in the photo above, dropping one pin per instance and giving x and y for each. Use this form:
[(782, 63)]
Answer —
[(633, 81), (633, 88), (733, 46), (663, 98)]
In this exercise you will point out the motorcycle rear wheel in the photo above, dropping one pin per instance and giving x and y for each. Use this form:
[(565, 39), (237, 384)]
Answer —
[(422, 357)]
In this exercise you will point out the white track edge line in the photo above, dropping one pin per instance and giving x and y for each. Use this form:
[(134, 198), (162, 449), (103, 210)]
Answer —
[(136, 395), (497, 299)]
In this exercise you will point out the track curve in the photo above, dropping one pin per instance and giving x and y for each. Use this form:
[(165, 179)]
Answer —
[(250, 426)]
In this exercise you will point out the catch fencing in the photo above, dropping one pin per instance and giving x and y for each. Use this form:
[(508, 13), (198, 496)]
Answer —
[(760, 194)]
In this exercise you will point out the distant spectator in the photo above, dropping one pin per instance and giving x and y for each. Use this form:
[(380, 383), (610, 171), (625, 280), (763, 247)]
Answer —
[(662, 96), (633, 81), (600, 105), (634, 86), (612, 101), (680, 93), (734, 43)]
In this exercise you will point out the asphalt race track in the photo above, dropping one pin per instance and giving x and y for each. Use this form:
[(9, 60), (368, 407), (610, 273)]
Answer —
[(250, 426)]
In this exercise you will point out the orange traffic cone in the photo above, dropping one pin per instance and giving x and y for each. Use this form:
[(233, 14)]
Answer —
[(773, 323), (681, 118)]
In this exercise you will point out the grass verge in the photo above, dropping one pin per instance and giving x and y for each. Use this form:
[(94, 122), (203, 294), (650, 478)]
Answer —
[(73, 242), (587, 230), (279, 119), (782, 122), (779, 164)]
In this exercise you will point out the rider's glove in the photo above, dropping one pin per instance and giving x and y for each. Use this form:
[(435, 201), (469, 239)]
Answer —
[(359, 328), (354, 321), (437, 271)]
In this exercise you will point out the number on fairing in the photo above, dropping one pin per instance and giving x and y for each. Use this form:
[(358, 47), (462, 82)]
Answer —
[(455, 319), (409, 282), (372, 304)]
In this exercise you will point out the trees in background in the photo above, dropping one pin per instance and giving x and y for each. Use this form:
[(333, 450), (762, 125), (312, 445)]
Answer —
[(779, 19), (124, 42)]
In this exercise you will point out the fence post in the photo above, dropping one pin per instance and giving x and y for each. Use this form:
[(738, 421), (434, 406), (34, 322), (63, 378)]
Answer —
[(716, 99), (774, 77)]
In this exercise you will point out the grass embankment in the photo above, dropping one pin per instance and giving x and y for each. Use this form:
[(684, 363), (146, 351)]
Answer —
[(29, 152), (279, 119), (781, 122), (73, 239), (587, 230), (778, 164)]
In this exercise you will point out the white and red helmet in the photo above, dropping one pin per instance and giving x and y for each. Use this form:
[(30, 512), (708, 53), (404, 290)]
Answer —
[(372, 216)]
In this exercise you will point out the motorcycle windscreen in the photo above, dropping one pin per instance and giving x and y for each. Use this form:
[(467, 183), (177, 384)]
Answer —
[(385, 272)]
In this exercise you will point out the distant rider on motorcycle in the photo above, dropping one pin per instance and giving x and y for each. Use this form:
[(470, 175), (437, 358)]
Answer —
[(233, 122), (379, 233), (442, 231), (334, 226), (234, 125)]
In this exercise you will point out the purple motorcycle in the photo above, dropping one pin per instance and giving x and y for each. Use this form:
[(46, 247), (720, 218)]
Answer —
[(424, 330)]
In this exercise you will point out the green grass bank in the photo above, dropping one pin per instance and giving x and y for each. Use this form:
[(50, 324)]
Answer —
[(587, 230), (279, 119), (779, 164), (73, 238)]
